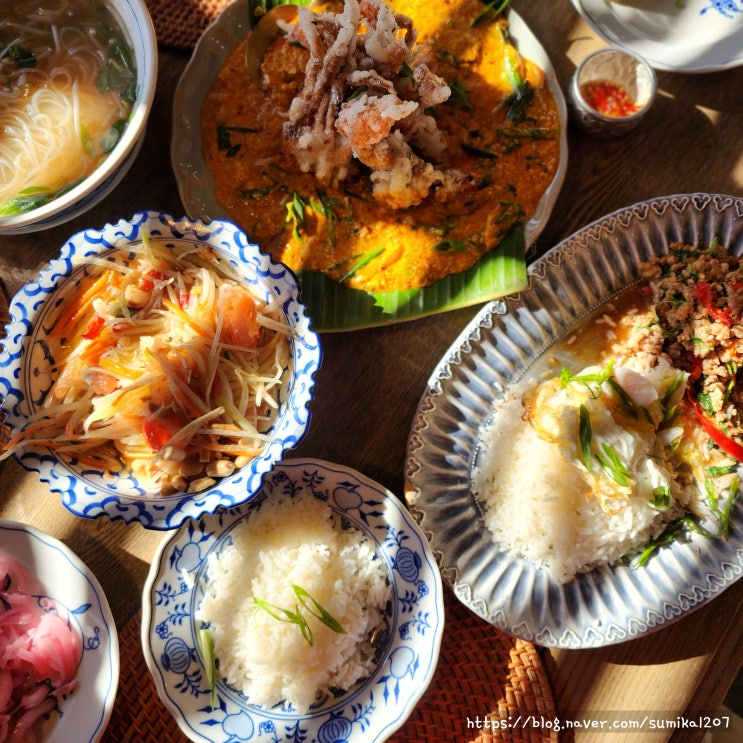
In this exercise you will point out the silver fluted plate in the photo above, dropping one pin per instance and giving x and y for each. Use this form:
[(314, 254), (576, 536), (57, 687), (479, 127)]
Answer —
[(609, 604)]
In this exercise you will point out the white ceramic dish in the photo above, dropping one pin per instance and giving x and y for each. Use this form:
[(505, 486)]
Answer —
[(693, 36), (72, 591), (104, 179), (27, 370), (333, 307), (608, 604), (366, 714)]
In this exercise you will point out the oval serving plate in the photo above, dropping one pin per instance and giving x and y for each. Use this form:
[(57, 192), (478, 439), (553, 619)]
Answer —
[(693, 36), (370, 712), (73, 592), (609, 604), (331, 306)]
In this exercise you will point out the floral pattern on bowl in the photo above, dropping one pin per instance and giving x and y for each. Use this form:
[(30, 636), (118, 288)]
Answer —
[(27, 370), (372, 710)]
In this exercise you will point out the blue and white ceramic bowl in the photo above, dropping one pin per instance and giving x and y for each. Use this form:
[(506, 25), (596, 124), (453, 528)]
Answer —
[(27, 370), (73, 592), (103, 180), (369, 713)]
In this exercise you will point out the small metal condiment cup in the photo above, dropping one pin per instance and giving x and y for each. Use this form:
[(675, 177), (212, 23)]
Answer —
[(617, 67)]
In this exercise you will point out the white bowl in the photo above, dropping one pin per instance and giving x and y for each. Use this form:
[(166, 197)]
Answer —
[(369, 713), (28, 370), (73, 592), (138, 25)]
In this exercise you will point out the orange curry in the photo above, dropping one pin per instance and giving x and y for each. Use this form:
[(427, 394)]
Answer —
[(500, 125)]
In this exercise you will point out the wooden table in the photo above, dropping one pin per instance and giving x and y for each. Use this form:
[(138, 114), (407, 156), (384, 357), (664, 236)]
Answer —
[(374, 378)]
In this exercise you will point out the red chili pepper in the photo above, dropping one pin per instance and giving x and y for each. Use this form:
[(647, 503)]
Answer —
[(608, 98), (94, 329), (705, 297), (725, 442), (184, 300)]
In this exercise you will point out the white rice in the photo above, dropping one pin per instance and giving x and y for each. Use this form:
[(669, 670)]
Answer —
[(294, 540), (536, 506)]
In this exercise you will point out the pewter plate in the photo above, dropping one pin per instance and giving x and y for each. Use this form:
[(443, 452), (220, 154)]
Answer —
[(609, 604), (331, 306)]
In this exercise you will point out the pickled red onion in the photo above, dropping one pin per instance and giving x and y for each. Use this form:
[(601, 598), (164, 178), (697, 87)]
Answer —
[(39, 655)]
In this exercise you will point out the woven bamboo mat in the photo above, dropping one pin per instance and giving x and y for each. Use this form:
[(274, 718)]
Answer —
[(481, 671), (180, 23)]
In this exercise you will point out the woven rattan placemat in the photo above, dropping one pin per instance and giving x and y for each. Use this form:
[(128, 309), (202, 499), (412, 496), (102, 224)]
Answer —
[(180, 23), (481, 670)]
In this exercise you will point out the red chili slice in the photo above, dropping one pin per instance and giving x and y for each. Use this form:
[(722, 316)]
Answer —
[(725, 442), (94, 329), (704, 295)]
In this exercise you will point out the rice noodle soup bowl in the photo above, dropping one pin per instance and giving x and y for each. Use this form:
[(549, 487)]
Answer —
[(156, 370), (78, 85)]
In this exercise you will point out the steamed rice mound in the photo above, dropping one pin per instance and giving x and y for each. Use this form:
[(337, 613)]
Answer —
[(294, 540)]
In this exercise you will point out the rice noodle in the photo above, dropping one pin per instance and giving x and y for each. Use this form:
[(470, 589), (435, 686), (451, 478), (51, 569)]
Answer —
[(56, 117)]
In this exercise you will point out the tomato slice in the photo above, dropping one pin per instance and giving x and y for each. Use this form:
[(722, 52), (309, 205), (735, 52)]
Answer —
[(158, 431), (94, 328), (725, 442)]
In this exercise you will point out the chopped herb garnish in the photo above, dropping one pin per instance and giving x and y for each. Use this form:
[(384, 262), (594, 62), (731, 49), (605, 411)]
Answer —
[(295, 616), (446, 55), (490, 12), (614, 466), (363, 261), (206, 642), (662, 498), (689, 523), (460, 93), (119, 73), (326, 206), (526, 132), (478, 151), (624, 399), (451, 246), (22, 58), (112, 136), (597, 379), (224, 138), (519, 102), (585, 435), (295, 213), (406, 71)]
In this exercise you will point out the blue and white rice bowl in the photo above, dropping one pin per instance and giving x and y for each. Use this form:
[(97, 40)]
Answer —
[(137, 24), (27, 369), (407, 656)]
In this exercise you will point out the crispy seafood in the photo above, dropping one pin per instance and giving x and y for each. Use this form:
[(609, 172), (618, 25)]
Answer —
[(167, 366), (389, 144), (357, 106), (629, 425)]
